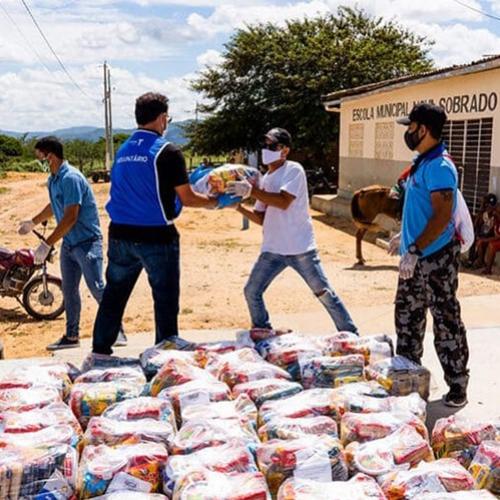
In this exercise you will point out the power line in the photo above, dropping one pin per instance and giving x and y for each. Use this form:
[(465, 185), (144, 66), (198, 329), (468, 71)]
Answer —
[(75, 83), (25, 38), (479, 11)]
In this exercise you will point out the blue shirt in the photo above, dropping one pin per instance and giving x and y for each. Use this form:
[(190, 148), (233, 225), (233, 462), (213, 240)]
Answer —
[(69, 187), (435, 172)]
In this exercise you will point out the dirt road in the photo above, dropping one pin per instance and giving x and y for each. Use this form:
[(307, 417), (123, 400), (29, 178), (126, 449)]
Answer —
[(216, 257)]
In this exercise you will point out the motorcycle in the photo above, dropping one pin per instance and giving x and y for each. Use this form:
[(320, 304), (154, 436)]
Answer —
[(41, 292), (318, 182)]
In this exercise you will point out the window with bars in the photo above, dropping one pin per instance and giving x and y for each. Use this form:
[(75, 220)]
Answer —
[(469, 144)]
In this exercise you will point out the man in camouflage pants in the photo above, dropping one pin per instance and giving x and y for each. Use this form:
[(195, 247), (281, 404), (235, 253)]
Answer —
[(428, 270)]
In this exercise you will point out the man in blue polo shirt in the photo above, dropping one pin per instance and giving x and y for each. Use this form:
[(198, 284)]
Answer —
[(73, 204), (428, 270)]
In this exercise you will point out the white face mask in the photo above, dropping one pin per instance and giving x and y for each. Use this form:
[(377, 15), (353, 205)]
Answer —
[(269, 156)]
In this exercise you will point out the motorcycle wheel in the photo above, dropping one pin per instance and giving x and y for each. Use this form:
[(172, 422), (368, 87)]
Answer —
[(44, 307)]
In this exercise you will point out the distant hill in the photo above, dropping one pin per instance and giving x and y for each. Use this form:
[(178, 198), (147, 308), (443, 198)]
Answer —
[(93, 134)]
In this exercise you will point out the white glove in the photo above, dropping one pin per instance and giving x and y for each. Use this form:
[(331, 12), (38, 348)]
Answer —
[(394, 244), (407, 265), (239, 188), (26, 227), (41, 253)]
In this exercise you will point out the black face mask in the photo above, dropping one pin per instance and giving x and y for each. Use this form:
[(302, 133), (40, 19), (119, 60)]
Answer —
[(412, 139)]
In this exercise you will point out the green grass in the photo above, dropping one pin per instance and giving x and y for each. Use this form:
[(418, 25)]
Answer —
[(4, 189)]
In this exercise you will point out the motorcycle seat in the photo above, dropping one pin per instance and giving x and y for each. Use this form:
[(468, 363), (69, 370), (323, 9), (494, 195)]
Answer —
[(5, 253)]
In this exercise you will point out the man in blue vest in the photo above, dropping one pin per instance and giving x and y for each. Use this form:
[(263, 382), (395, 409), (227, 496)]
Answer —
[(428, 269), (73, 204), (149, 182)]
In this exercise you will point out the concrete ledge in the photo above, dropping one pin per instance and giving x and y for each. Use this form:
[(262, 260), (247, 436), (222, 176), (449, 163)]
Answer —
[(331, 204)]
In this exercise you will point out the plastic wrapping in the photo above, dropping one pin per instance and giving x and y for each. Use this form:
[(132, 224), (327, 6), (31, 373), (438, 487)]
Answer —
[(286, 350), (485, 467), (294, 428), (102, 362), (360, 487), (458, 495), (43, 438), (458, 437), (310, 457), (215, 181), (91, 400), (141, 408), (198, 434), (205, 349), (363, 427), (177, 372), (327, 371), (242, 408), (99, 465), (102, 430), (401, 376), (445, 475), (260, 391), (375, 458), (208, 485), (372, 347), (20, 400), (122, 374), (195, 392), (257, 334), (28, 472), (217, 362), (227, 458), (38, 419), (131, 495), (154, 358)]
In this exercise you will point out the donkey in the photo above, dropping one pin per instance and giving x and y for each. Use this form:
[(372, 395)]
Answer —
[(366, 204)]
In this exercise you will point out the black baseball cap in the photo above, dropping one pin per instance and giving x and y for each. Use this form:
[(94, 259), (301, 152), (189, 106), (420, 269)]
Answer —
[(425, 113), (279, 136), (491, 199)]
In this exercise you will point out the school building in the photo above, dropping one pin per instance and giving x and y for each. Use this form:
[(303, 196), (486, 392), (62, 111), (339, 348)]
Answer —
[(372, 149)]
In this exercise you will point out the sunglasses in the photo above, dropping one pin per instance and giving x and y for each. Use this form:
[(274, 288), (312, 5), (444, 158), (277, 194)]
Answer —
[(274, 146)]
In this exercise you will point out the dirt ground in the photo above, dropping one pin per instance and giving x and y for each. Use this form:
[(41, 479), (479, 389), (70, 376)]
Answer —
[(216, 257)]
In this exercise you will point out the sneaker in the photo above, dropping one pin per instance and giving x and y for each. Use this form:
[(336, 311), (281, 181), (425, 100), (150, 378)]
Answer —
[(121, 340), (94, 360), (64, 343), (456, 397)]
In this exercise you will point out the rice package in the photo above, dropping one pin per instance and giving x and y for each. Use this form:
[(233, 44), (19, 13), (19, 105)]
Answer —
[(91, 400), (205, 484), (445, 475), (198, 434), (102, 430), (122, 374), (227, 458), (195, 392), (400, 376), (360, 487), (309, 457), (177, 372), (142, 408), (363, 427), (375, 458), (327, 371), (154, 358), (286, 350), (140, 464), (260, 391), (372, 347), (242, 408), (38, 419), (29, 472), (20, 400), (48, 437), (458, 437), (293, 428), (215, 181), (485, 466), (203, 350)]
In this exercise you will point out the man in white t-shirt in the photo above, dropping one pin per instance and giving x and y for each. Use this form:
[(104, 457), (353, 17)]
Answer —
[(282, 207)]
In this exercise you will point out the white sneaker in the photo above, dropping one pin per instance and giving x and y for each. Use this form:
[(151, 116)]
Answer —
[(94, 359), (121, 340)]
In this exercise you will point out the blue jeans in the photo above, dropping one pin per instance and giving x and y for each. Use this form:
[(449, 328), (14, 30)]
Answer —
[(126, 260), (308, 265), (83, 259)]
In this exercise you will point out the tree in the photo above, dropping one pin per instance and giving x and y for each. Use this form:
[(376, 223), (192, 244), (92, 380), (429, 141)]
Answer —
[(274, 76), (80, 153), (10, 146)]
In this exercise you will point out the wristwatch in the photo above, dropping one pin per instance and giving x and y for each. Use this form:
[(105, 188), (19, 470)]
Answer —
[(413, 250)]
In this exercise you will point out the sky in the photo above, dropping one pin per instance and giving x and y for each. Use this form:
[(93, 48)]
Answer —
[(162, 45)]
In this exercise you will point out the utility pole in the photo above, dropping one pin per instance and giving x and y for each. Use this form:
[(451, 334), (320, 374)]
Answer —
[(108, 122)]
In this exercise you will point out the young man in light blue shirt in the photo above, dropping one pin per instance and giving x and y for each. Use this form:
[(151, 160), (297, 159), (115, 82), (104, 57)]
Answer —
[(428, 269), (73, 204)]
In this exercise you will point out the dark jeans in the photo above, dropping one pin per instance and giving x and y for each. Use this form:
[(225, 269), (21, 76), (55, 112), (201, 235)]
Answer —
[(126, 261)]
